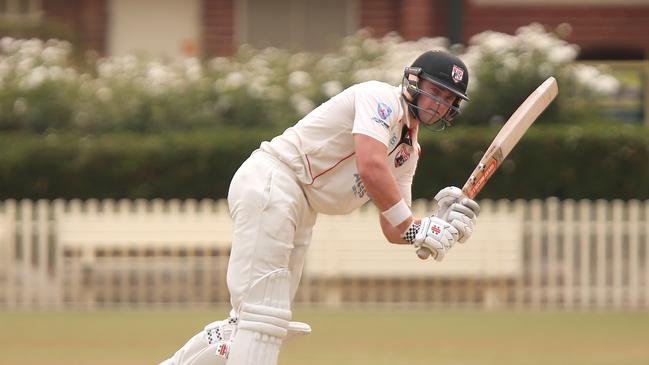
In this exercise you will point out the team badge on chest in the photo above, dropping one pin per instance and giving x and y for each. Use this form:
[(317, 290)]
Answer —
[(403, 155)]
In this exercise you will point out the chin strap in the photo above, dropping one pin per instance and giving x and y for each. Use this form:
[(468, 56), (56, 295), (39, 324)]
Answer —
[(414, 111)]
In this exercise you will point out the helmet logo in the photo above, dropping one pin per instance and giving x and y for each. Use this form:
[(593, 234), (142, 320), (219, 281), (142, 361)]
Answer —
[(457, 74)]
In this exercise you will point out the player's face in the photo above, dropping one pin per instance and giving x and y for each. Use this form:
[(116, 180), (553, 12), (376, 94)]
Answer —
[(433, 101)]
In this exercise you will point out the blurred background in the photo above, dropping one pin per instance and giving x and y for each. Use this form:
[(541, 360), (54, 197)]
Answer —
[(122, 122)]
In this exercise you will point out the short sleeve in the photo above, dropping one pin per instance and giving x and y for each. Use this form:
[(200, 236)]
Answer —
[(376, 110)]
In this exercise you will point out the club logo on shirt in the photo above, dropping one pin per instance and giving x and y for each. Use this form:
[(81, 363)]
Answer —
[(358, 189), (402, 156), (383, 110), (457, 73)]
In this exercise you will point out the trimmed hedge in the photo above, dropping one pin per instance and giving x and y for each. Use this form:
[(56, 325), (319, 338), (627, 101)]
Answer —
[(608, 162), (189, 165), (562, 161)]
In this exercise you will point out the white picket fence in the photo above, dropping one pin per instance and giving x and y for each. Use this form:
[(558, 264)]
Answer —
[(547, 254)]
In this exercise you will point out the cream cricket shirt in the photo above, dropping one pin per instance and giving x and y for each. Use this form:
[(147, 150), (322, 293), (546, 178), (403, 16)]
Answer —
[(320, 147)]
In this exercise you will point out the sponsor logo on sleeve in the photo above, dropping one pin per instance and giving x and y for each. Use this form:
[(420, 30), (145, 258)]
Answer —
[(382, 122), (383, 110)]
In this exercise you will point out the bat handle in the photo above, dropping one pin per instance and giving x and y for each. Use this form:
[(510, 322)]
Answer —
[(423, 253)]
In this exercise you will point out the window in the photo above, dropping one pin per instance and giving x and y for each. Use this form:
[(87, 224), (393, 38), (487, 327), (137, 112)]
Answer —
[(154, 27), (312, 25), (20, 9)]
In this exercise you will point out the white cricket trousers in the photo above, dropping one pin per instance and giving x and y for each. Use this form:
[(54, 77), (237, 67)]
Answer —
[(272, 224)]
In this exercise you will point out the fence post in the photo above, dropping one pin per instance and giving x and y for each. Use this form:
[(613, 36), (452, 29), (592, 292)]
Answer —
[(4, 257), (585, 266), (552, 270), (26, 271), (520, 206), (618, 228), (646, 250), (10, 242), (58, 262), (45, 291), (569, 244), (536, 252), (633, 285), (601, 231)]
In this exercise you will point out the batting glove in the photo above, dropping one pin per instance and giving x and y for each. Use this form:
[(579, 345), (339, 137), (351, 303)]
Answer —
[(432, 235), (461, 212)]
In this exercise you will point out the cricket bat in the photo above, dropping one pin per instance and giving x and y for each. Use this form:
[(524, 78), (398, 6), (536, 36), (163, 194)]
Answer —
[(506, 139)]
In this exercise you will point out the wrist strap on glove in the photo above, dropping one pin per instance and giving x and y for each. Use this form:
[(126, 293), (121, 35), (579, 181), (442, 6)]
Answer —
[(410, 233)]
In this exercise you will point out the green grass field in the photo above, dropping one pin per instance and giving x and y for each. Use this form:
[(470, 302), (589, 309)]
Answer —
[(355, 337)]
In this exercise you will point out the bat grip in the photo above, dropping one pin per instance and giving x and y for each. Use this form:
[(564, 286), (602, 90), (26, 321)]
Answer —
[(423, 253)]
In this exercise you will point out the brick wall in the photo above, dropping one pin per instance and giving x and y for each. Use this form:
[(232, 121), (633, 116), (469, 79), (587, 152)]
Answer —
[(412, 19), (62, 11), (597, 29), (439, 18), (88, 19), (94, 17), (380, 16), (416, 18), (218, 27)]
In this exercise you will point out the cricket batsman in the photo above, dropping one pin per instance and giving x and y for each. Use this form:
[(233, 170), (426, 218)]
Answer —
[(358, 146)]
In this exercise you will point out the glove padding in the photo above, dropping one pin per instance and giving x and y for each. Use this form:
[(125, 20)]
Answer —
[(461, 212), (436, 236)]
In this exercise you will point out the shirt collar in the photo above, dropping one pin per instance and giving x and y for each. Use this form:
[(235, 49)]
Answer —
[(406, 113)]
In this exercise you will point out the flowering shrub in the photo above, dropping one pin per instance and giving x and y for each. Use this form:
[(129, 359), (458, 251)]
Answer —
[(37, 84), (505, 69), (42, 87)]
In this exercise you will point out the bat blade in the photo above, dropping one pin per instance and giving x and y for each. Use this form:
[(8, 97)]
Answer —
[(508, 136)]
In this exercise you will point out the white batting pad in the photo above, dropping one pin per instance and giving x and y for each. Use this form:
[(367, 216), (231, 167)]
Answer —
[(263, 321)]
